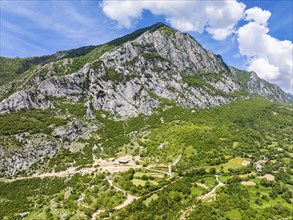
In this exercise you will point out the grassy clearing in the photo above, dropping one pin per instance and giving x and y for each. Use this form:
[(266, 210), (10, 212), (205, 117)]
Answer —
[(139, 182), (208, 181), (190, 151), (286, 160), (156, 175), (151, 198), (234, 214), (197, 191), (224, 178), (231, 164)]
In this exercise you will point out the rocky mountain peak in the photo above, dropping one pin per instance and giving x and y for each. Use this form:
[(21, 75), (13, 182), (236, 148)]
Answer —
[(150, 64), (132, 74), (251, 82)]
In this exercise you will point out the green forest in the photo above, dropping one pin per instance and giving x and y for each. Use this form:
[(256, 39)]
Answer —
[(229, 162)]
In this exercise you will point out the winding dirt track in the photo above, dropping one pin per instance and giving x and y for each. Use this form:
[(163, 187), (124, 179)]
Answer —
[(129, 199), (212, 193), (94, 216), (207, 196)]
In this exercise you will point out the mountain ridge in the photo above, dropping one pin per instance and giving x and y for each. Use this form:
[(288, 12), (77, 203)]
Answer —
[(85, 51), (161, 67), (147, 52)]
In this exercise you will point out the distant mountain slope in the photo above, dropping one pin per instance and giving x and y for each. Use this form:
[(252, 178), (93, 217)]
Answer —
[(257, 86)]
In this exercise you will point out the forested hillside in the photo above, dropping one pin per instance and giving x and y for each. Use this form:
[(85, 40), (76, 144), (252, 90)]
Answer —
[(204, 148)]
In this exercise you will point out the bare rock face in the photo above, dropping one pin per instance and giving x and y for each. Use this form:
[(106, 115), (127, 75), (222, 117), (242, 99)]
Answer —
[(14, 160), (270, 91), (124, 79), (24, 100)]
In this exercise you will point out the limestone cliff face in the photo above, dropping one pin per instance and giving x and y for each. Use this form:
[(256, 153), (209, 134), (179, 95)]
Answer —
[(124, 79), (254, 85), (267, 90)]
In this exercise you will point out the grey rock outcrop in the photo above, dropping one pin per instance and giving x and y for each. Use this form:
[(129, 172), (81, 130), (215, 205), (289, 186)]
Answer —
[(14, 160), (267, 90), (24, 100), (124, 79)]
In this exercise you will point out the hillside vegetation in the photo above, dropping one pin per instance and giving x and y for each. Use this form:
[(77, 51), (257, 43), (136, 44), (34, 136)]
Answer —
[(246, 130)]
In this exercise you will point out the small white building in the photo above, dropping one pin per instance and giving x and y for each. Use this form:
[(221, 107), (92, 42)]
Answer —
[(259, 165)]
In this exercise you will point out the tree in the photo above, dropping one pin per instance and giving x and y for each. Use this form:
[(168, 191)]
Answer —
[(258, 202), (144, 177), (244, 205), (213, 171)]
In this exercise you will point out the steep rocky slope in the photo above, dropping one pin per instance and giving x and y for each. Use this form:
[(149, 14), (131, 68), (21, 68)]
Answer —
[(257, 86), (162, 61), (127, 77)]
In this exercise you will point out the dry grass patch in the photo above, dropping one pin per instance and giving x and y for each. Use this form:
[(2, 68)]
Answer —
[(248, 183), (245, 163), (202, 185), (269, 177)]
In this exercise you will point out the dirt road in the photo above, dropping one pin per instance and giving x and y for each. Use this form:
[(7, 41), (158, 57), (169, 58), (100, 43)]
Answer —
[(104, 167), (212, 193), (129, 199), (206, 196)]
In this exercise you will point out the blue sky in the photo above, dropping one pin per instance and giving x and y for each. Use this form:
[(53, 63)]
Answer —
[(253, 35)]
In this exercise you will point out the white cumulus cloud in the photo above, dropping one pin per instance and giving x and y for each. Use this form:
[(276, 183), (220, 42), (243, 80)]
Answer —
[(216, 17), (269, 57), (258, 15), (264, 69)]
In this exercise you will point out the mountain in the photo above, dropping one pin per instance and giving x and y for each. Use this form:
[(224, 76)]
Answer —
[(290, 95), (257, 86), (129, 76), (162, 61), (147, 126), (155, 59)]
